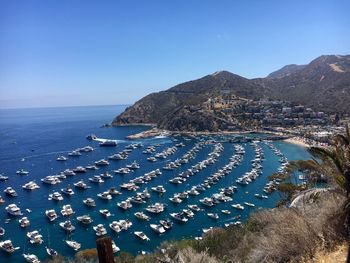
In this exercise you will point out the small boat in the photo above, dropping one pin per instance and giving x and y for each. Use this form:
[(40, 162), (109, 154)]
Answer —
[(68, 172), (31, 258), (13, 209), (67, 210), (105, 196), (179, 217), (91, 137), (51, 215), (79, 169), (91, 167), (122, 171), (194, 208), (238, 206), (227, 212), (114, 191), (188, 212), (167, 224), (108, 143), (35, 237), (50, 179), (100, 230), (157, 228), (2, 232), (67, 226), (22, 172), (134, 165), (141, 235), (106, 175), (3, 177), (73, 244), (30, 186), (85, 219), (125, 205), (213, 215), (8, 247), (114, 247), (155, 208), (67, 191), (74, 153), (61, 158), (51, 252), (159, 189), (24, 222), (101, 162), (81, 185), (89, 202), (249, 204), (2, 200), (115, 226), (142, 216), (55, 196), (96, 179), (10, 192), (105, 213)]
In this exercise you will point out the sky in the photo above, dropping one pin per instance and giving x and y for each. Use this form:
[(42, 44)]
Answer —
[(82, 52)]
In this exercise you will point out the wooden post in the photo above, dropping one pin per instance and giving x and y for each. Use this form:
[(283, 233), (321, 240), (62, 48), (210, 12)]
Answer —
[(104, 250)]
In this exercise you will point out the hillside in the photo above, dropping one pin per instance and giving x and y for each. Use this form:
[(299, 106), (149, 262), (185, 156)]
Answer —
[(323, 84)]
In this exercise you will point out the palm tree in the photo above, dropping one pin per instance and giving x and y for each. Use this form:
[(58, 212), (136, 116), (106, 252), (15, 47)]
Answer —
[(332, 162)]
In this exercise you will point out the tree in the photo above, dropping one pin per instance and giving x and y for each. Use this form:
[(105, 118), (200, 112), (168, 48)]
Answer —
[(332, 162)]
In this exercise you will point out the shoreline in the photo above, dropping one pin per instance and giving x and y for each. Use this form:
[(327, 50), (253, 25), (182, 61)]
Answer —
[(298, 141)]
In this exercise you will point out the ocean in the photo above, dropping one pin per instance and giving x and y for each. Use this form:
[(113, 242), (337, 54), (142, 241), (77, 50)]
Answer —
[(32, 139)]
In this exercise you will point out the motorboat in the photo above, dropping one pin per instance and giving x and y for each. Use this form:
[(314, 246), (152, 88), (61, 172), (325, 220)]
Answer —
[(167, 224), (61, 158), (105, 213), (249, 204), (106, 175), (31, 258), (67, 226), (8, 247), (91, 167), (3, 177), (157, 228), (50, 179), (159, 189), (74, 153), (175, 199), (108, 143), (96, 179), (115, 226), (124, 170), (10, 192), (79, 169), (35, 237), (141, 235), (67, 210), (142, 216), (24, 222), (67, 191), (105, 195), (188, 212), (85, 219), (238, 206), (73, 244), (51, 252), (100, 230), (195, 208), (124, 224), (13, 209), (114, 247), (81, 185), (22, 172), (68, 172), (55, 196), (207, 202), (89, 202), (213, 215), (2, 232), (155, 208), (133, 166), (180, 217), (51, 215), (125, 205), (101, 162), (30, 186), (226, 212), (113, 191), (86, 149)]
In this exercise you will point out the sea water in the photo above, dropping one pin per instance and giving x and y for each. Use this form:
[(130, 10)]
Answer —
[(32, 139)]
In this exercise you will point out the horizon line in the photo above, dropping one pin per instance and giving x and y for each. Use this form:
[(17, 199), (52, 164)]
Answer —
[(62, 106)]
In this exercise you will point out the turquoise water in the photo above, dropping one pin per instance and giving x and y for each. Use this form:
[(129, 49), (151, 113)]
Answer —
[(33, 138)]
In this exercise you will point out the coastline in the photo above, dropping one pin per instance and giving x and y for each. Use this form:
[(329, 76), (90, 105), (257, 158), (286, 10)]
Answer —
[(298, 141)]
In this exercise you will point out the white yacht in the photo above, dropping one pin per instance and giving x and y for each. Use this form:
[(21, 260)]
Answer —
[(13, 209), (61, 158), (10, 192), (159, 189), (238, 206), (24, 222), (67, 210), (114, 247), (96, 179), (55, 196), (73, 244), (74, 153), (89, 202), (115, 226), (35, 237), (67, 226), (8, 247), (50, 179), (79, 169), (125, 205), (142, 216), (30, 186), (102, 162), (179, 217), (85, 219), (155, 208), (106, 175), (157, 228), (81, 185), (249, 204), (108, 143), (67, 191), (22, 172), (31, 258), (100, 230), (213, 215), (51, 215), (105, 195), (68, 172), (105, 213), (167, 224), (141, 235)]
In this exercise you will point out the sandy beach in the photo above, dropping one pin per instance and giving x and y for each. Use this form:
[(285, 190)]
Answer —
[(298, 141)]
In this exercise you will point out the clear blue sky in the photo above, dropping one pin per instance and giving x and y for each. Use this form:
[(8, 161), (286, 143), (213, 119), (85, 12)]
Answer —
[(71, 52)]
